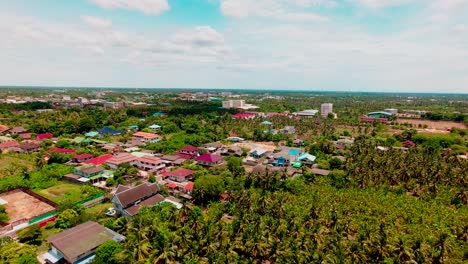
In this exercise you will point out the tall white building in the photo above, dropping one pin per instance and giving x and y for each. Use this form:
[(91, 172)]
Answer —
[(234, 104), (325, 109)]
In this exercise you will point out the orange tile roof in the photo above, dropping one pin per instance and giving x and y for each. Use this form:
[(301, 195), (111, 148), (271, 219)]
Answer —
[(146, 135)]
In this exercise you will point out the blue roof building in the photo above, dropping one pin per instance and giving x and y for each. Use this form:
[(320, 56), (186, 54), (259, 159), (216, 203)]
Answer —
[(110, 131)]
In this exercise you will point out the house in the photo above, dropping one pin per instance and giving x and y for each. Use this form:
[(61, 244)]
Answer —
[(288, 130), (298, 142), (307, 113), (150, 163), (244, 116), (306, 159), (212, 147), (30, 148), (257, 153), (267, 123), (111, 148), (172, 160), (320, 172), (43, 136), (82, 158), (188, 188), (209, 159), (120, 159), (408, 143), (284, 155), (99, 160), (25, 135), (18, 130), (235, 139), (179, 175), (9, 145), (62, 150), (89, 172), (3, 129), (128, 201), (154, 127), (78, 244), (187, 152), (144, 137), (92, 134), (232, 151), (110, 131)]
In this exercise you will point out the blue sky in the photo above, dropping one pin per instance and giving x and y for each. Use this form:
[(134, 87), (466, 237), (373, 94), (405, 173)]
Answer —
[(334, 45)]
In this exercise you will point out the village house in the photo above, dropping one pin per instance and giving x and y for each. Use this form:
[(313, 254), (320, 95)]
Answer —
[(6, 139), (29, 148), (10, 146), (82, 158), (18, 130), (150, 163), (99, 160), (172, 160), (306, 159), (110, 131), (78, 244), (188, 152), (257, 153), (209, 159), (3, 129), (231, 151), (62, 150), (143, 137), (43, 136), (179, 175), (128, 201), (120, 159)]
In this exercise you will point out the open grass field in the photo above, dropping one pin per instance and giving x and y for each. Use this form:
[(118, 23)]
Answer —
[(24, 206), (438, 125), (61, 191), (10, 165), (99, 210)]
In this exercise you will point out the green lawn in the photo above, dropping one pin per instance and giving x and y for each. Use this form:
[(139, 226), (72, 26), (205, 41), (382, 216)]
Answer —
[(62, 190), (99, 210)]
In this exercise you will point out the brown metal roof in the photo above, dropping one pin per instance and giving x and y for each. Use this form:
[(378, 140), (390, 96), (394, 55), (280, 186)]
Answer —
[(92, 170), (137, 193), (76, 242), (133, 210)]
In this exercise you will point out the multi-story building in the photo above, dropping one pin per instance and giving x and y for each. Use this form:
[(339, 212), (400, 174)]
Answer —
[(325, 109), (234, 104)]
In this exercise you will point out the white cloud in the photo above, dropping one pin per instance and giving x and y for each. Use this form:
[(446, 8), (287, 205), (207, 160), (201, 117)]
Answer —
[(276, 9), (96, 22), (376, 4), (149, 7)]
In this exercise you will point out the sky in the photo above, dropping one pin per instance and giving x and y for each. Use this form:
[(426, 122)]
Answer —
[(318, 45)]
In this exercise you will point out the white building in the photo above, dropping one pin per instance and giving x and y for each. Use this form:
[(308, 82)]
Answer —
[(392, 111), (233, 104), (307, 113), (325, 109)]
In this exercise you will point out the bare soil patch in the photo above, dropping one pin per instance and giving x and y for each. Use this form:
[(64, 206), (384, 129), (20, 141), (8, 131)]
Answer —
[(439, 125), (24, 206)]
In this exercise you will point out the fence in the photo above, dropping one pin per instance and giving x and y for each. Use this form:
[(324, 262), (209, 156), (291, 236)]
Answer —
[(92, 200), (42, 217)]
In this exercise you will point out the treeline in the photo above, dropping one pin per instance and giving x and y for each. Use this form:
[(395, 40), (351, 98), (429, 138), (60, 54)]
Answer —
[(267, 219), (422, 171)]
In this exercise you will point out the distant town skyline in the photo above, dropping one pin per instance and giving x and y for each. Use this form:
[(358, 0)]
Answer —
[(319, 45)]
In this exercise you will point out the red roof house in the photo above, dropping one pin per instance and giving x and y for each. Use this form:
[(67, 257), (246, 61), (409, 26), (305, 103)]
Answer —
[(44, 136), (9, 145), (209, 159), (62, 150), (3, 128), (189, 187), (187, 152), (244, 116), (82, 157), (408, 143), (171, 185), (99, 160)]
